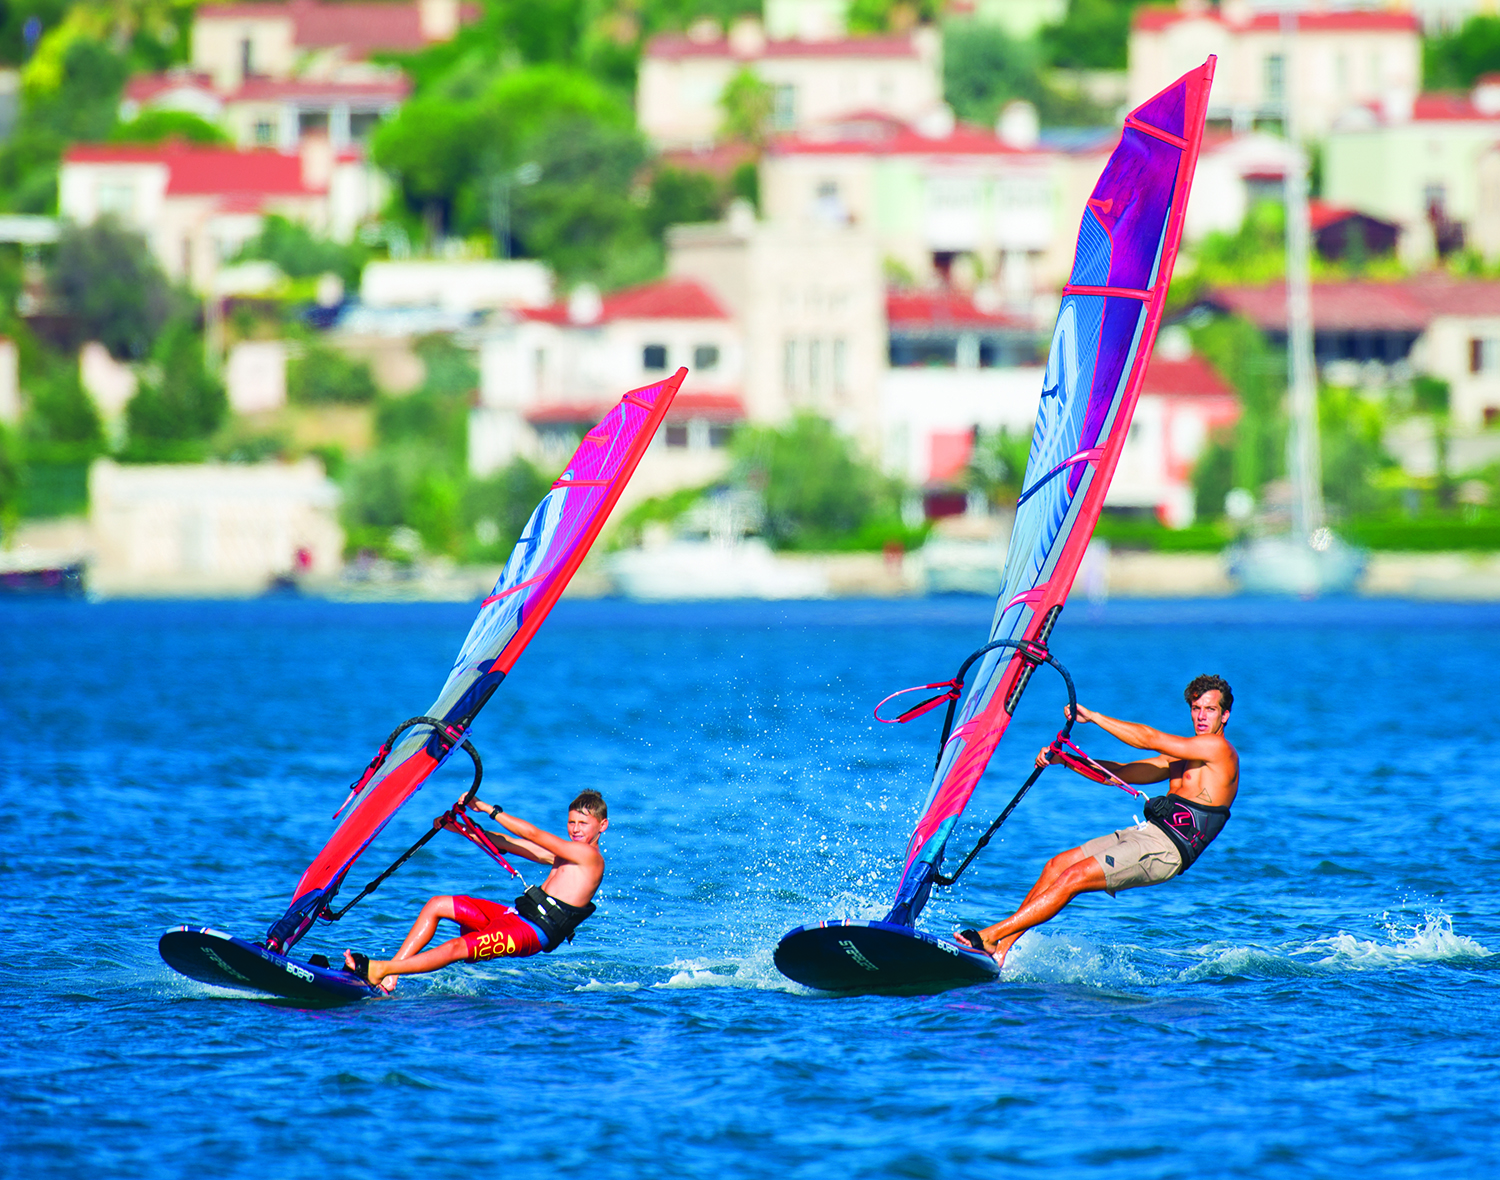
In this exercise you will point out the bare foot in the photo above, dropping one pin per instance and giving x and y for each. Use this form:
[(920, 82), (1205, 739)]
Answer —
[(372, 971)]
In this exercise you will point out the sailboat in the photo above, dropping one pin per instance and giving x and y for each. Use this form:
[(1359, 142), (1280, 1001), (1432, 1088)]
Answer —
[(551, 548), (1106, 326), (1310, 560)]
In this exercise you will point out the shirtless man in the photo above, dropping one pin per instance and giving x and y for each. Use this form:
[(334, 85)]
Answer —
[(543, 917), (1204, 771)]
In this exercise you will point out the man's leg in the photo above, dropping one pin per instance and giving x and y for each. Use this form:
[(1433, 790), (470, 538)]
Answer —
[(1063, 878)]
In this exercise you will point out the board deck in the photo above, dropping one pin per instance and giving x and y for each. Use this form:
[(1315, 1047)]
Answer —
[(840, 956), (211, 956)]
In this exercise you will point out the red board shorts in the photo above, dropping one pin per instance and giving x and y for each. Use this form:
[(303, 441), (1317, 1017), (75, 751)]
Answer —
[(494, 931)]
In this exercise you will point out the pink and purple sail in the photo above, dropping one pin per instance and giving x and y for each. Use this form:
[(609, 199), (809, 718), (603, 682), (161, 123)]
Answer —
[(1107, 324), (550, 550)]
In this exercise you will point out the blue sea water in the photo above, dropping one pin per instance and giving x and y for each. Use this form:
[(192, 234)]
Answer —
[(1319, 996)]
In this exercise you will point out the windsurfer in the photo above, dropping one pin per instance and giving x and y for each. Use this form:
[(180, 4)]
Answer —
[(1204, 773), (543, 917)]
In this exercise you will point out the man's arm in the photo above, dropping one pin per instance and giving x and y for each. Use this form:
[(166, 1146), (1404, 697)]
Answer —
[(1206, 748), (1148, 770)]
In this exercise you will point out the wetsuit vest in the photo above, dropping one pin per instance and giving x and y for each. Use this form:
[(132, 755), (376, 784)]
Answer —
[(1191, 826), (556, 919)]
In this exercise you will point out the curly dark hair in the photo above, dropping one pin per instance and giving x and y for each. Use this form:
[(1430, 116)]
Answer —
[(1206, 683), (591, 803)]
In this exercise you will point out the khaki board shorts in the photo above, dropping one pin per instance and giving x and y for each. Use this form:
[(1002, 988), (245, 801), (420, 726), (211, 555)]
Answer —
[(1133, 857)]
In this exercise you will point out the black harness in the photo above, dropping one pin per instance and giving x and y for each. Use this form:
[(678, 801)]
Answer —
[(556, 919), (1191, 826)]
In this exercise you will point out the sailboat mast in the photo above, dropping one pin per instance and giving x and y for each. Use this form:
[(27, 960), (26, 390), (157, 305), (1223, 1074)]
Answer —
[(1304, 464)]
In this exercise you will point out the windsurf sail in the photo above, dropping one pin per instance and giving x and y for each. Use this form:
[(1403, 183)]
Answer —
[(1106, 326), (550, 550)]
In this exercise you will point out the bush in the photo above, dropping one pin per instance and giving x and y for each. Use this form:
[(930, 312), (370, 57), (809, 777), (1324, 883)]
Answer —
[(325, 376), (62, 424), (300, 254), (154, 126), (819, 493), (495, 509), (180, 403), (111, 287)]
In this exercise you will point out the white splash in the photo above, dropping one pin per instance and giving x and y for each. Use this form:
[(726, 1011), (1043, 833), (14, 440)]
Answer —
[(1428, 940)]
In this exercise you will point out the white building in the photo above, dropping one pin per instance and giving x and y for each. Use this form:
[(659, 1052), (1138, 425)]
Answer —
[(1338, 60), (236, 43), (1234, 173), (809, 303), (210, 528), (196, 206), (549, 374), (682, 78)]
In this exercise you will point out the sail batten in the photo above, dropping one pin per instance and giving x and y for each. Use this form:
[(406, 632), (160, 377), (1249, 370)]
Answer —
[(1106, 325), (551, 547)]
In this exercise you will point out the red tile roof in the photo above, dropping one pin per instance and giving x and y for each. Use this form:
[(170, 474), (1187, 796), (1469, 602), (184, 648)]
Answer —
[(362, 28), (1321, 215), (145, 87), (676, 46), (880, 135), (1156, 19), (719, 407), (272, 90), (669, 299), (1406, 306), (943, 308), (206, 171), (1190, 377), (1443, 107)]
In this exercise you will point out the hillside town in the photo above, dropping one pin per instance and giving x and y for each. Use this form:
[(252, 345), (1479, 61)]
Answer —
[(320, 295)]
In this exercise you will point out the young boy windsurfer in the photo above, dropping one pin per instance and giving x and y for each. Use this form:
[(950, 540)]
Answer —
[(1204, 772), (543, 917)]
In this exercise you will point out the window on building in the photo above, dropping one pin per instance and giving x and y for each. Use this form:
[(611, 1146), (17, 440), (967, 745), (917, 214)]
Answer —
[(815, 366), (312, 123), (840, 365), (789, 380), (117, 199), (1275, 77), (1484, 355), (654, 357), (265, 131), (720, 434), (677, 434), (706, 356), (247, 58), (784, 107), (361, 123)]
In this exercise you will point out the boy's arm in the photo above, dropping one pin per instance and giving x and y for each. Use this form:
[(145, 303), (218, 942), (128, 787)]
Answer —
[(554, 847), (1206, 748), (506, 842)]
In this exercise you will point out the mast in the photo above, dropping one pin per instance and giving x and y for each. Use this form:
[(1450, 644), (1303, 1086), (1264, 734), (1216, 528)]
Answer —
[(1304, 464)]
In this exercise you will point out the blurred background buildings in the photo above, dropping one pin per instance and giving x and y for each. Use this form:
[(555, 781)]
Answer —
[(365, 272)]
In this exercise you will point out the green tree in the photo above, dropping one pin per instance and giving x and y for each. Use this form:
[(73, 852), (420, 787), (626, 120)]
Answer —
[(495, 509), (1242, 357), (579, 216), (747, 103), (1349, 433), (818, 491), (1455, 61), (300, 253), (10, 476), (106, 280), (154, 126), (1093, 36), (324, 376), (984, 68), (61, 423), (997, 465), (680, 197), (181, 402)]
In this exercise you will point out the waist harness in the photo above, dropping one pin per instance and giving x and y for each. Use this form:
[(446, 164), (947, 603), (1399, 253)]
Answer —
[(1191, 826), (557, 919)]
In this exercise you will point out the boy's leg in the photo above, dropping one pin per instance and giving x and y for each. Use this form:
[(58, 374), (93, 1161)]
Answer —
[(453, 951), (425, 927)]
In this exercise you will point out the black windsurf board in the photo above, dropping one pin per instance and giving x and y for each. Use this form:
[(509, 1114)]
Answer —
[(840, 956), (211, 956)]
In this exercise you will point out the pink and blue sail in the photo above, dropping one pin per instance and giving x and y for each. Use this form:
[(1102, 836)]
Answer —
[(551, 548), (1106, 326)]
